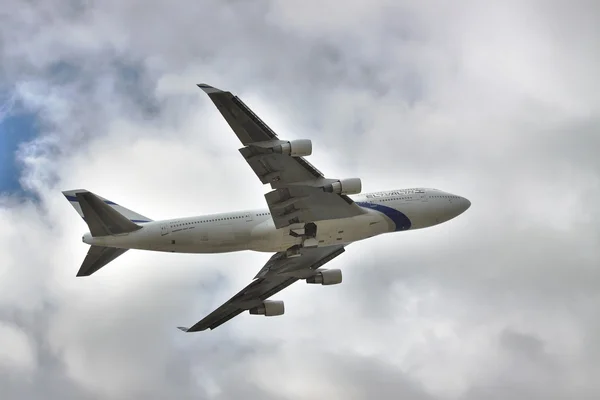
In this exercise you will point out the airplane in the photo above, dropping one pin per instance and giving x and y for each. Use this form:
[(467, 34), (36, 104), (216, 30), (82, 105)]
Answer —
[(309, 219)]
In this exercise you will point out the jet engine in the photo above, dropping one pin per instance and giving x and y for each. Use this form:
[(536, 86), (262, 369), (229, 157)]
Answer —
[(345, 186), (269, 308), (295, 148), (326, 277)]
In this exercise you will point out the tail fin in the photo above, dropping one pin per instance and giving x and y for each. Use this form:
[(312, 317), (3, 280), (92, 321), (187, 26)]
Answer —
[(103, 216)]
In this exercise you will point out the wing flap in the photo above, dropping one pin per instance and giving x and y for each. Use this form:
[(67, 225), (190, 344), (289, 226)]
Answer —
[(273, 168), (301, 204)]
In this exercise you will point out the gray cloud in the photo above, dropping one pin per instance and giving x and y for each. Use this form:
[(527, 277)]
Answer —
[(498, 103)]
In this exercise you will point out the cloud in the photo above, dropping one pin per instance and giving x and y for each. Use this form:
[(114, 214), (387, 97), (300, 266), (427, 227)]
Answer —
[(17, 354), (498, 103)]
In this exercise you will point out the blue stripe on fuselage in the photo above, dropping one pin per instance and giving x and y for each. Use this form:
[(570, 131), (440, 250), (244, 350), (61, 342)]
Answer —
[(400, 220)]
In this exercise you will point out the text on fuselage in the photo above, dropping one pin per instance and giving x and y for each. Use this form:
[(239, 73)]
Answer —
[(395, 193)]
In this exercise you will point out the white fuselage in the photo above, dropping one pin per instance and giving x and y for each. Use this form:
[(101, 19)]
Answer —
[(385, 212)]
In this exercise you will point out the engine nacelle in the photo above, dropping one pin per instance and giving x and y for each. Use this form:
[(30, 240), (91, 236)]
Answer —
[(269, 308), (345, 186), (326, 277), (295, 148)]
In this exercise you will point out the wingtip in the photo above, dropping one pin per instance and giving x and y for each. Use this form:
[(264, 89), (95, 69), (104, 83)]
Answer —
[(208, 89), (182, 328)]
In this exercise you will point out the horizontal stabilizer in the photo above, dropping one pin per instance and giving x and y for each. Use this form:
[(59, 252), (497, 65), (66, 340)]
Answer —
[(102, 216), (97, 257)]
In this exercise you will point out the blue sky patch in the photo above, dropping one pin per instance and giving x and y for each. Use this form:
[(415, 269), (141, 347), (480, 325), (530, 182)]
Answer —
[(15, 129)]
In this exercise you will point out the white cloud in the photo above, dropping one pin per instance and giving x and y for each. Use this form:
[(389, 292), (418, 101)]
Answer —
[(498, 103), (17, 353)]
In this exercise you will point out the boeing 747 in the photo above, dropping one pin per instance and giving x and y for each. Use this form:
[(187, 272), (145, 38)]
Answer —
[(309, 219)]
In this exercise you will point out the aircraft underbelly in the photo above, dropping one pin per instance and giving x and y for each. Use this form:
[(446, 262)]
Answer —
[(347, 230), (329, 232)]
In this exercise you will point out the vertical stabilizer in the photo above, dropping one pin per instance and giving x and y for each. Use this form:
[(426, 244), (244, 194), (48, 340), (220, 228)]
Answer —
[(71, 195), (102, 216)]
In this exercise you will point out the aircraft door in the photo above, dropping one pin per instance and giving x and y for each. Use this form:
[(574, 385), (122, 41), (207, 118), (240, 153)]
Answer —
[(248, 217), (165, 229)]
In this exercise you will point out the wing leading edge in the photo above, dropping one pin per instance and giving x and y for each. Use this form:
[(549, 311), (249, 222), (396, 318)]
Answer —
[(277, 274)]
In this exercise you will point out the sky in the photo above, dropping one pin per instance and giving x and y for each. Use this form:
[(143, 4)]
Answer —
[(498, 102)]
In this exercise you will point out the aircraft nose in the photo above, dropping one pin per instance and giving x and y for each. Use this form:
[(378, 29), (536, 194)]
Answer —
[(450, 206), (466, 204), (460, 205)]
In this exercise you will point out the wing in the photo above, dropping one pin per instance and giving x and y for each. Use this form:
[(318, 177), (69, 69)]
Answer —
[(277, 274), (301, 192)]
